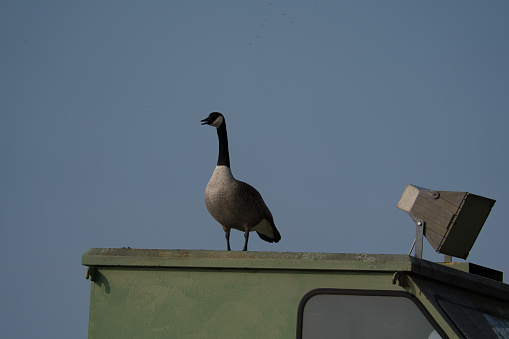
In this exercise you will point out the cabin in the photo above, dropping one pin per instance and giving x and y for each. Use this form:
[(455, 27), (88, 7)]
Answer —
[(138, 293)]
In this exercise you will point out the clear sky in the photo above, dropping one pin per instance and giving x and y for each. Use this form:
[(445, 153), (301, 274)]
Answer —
[(332, 108)]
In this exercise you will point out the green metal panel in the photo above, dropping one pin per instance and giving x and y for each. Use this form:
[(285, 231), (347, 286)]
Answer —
[(219, 294), (186, 303)]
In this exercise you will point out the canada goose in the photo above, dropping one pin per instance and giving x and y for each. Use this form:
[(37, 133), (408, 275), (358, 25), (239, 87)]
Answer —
[(233, 203)]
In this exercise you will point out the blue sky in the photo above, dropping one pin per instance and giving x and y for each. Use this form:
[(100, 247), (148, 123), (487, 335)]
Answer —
[(333, 107)]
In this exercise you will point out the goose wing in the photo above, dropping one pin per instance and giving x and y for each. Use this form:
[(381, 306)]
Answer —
[(264, 227)]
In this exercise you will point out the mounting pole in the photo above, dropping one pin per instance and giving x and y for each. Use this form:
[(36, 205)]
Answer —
[(419, 233)]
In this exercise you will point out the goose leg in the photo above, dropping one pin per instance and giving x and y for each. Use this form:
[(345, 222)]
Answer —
[(246, 235), (227, 235)]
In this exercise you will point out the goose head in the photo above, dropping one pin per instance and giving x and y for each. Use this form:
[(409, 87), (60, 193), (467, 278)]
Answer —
[(215, 119)]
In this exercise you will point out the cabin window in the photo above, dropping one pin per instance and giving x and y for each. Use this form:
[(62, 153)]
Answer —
[(330, 313), (476, 322)]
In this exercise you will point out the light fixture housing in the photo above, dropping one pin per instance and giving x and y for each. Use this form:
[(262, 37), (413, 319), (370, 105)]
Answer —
[(452, 220)]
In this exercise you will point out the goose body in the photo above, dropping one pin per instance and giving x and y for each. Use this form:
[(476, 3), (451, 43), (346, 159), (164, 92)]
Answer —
[(233, 203)]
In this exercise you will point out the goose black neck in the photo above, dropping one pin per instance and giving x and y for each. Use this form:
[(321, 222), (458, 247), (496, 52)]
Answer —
[(224, 156)]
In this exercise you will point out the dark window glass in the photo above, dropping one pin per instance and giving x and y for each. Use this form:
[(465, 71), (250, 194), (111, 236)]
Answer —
[(342, 315)]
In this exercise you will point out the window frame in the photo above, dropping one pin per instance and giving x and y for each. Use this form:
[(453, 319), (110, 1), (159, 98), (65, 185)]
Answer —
[(366, 293)]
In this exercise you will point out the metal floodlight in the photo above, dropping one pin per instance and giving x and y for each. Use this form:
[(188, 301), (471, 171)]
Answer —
[(451, 221)]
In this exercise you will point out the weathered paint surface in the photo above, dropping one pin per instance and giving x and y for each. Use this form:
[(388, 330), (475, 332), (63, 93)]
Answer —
[(179, 303)]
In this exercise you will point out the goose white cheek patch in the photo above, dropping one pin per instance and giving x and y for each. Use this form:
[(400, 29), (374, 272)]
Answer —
[(217, 122)]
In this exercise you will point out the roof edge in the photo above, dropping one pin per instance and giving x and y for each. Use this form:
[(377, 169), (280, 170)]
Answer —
[(313, 261), (249, 259)]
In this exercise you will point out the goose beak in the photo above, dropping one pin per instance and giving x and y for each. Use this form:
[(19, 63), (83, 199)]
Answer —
[(206, 121)]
